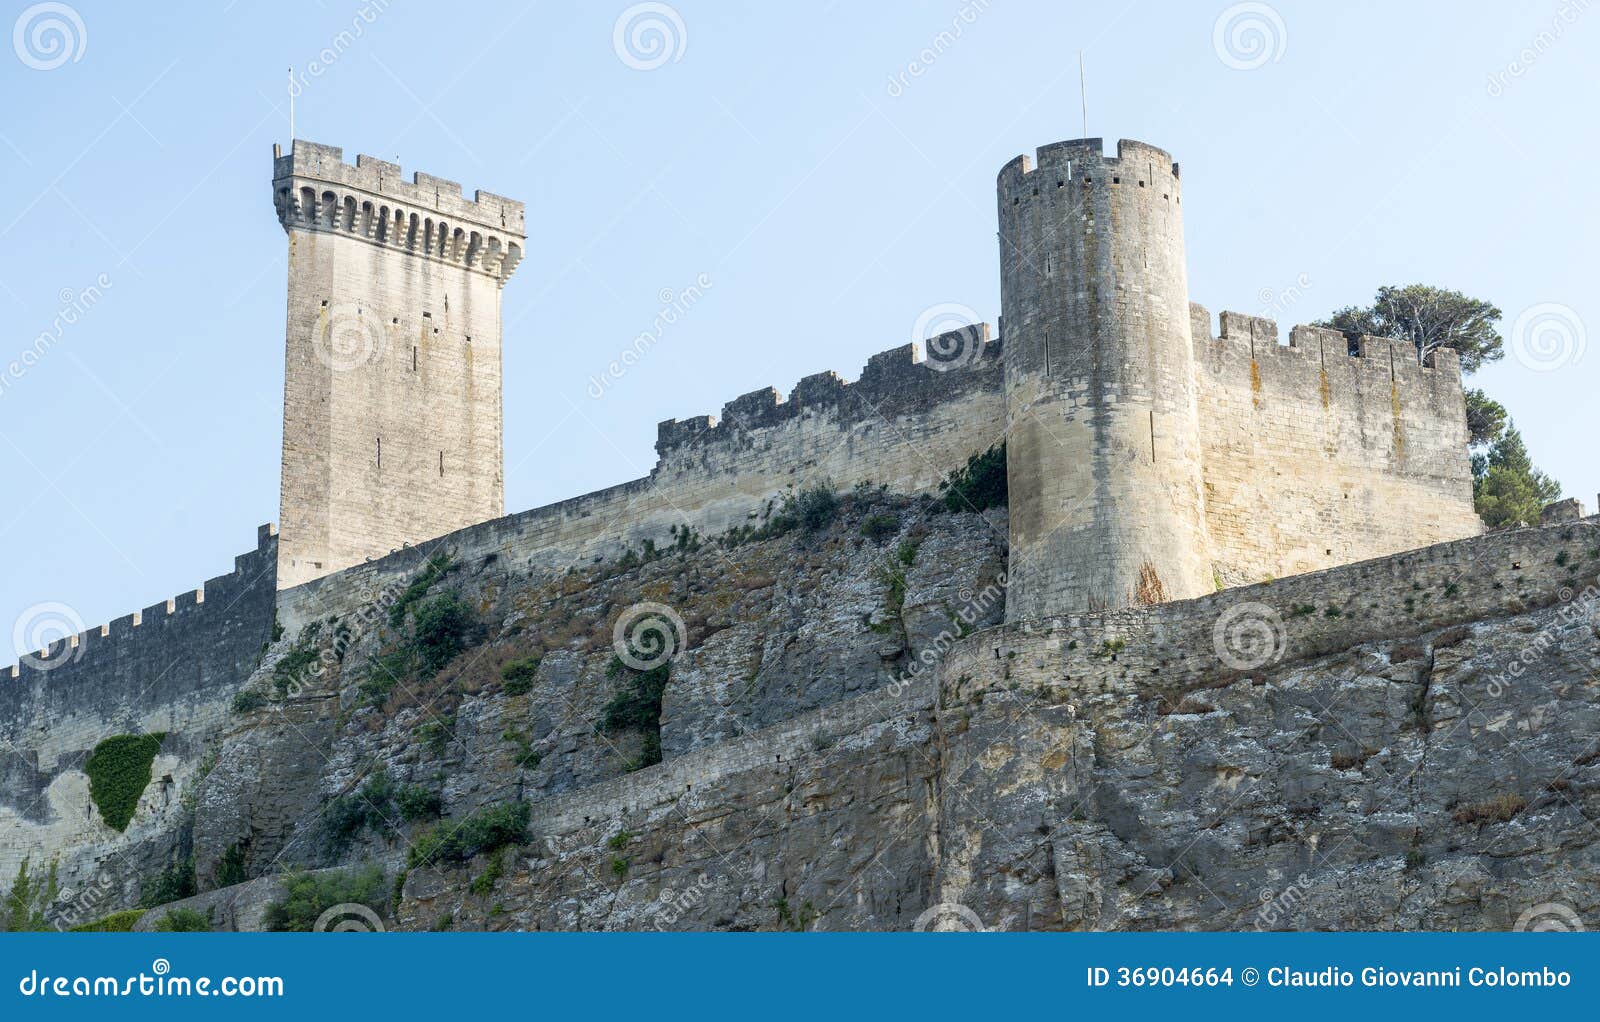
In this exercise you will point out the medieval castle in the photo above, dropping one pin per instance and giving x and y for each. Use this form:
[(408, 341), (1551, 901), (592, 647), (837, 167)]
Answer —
[(1163, 473), (1147, 459)]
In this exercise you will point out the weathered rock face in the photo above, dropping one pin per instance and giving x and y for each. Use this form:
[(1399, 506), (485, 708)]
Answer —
[(1399, 744)]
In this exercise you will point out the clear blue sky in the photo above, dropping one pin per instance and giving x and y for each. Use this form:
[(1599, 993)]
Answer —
[(1375, 144)]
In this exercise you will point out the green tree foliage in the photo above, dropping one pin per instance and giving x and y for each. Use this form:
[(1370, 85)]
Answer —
[(119, 771), (979, 484), (28, 899), (183, 920), (637, 706), (1486, 418), (1430, 318), (174, 883), (1507, 490), (306, 897), (489, 829)]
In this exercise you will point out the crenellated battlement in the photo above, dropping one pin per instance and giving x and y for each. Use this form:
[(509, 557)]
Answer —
[(1081, 162), (895, 383), (1257, 338), (315, 190), (221, 595)]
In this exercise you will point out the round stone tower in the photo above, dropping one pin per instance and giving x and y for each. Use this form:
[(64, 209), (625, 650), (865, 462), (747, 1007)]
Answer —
[(1103, 443)]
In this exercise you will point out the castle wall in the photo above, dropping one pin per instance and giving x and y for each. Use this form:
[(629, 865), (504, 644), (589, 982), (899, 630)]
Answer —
[(392, 407), (905, 424), (173, 667), (1315, 456), (1104, 461)]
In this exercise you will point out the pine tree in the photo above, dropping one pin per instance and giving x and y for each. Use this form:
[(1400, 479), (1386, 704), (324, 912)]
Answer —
[(1507, 489)]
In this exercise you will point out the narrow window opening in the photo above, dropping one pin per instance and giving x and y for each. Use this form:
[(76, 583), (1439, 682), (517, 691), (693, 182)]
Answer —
[(1047, 353), (441, 464), (413, 358), (427, 315), (1152, 436), (380, 452), (324, 303)]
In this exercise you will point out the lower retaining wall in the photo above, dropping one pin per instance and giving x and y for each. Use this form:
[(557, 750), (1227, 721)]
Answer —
[(1193, 643)]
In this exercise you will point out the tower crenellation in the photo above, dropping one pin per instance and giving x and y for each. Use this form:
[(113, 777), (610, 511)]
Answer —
[(392, 406)]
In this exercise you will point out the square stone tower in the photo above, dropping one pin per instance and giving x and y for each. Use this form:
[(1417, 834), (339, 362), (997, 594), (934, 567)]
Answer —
[(391, 413)]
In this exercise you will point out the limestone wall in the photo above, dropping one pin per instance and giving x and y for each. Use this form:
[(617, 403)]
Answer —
[(906, 423), (1104, 457), (392, 407), (1317, 454), (173, 667)]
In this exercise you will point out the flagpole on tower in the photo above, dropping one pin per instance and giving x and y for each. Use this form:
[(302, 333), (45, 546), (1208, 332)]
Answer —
[(1083, 95)]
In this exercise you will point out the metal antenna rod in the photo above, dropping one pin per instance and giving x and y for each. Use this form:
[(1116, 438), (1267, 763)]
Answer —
[(1083, 95)]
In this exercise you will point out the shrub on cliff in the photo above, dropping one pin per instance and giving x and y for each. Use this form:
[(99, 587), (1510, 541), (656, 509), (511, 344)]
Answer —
[(811, 510), (979, 484), (119, 771), (183, 920), (487, 830), (306, 897)]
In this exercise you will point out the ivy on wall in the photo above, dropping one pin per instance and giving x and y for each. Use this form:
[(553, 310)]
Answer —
[(119, 771)]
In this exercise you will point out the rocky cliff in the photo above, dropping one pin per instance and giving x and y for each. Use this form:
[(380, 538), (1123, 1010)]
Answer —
[(840, 734)]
